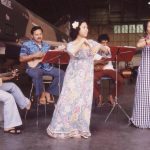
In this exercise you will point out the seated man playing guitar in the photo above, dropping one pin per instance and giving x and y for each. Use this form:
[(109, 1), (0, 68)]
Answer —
[(104, 68), (33, 52), (10, 94)]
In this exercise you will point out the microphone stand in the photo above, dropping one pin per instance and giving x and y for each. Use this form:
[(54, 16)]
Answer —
[(116, 97), (57, 57)]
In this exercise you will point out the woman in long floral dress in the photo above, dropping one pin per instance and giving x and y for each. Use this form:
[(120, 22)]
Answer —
[(71, 117), (141, 109)]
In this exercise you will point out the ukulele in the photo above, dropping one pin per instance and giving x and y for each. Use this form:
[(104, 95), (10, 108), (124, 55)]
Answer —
[(33, 63), (99, 64)]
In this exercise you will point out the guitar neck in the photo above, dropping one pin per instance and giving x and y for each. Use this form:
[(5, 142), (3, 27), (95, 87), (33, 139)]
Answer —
[(5, 74)]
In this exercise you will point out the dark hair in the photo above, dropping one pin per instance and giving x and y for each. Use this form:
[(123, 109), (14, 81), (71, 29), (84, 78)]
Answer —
[(102, 37), (36, 28), (145, 26), (74, 32)]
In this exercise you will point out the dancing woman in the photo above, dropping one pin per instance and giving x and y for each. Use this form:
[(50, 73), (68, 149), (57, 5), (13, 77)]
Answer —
[(72, 114), (141, 109)]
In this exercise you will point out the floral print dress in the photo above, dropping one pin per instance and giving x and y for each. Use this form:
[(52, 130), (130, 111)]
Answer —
[(73, 110)]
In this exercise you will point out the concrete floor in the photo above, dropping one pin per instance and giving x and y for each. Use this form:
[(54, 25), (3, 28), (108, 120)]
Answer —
[(113, 135)]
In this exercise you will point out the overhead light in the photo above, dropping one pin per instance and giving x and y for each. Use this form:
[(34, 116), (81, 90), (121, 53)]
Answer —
[(149, 3)]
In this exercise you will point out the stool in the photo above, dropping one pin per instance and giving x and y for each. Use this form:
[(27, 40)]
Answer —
[(46, 80), (104, 78)]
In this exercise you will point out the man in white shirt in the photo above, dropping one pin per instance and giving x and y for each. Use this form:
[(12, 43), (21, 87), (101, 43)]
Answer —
[(104, 68)]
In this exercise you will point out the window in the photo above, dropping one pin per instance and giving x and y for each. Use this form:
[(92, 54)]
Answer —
[(132, 28), (124, 29), (139, 28), (117, 29)]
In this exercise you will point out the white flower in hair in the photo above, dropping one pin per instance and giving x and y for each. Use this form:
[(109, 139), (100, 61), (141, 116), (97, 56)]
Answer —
[(75, 24)]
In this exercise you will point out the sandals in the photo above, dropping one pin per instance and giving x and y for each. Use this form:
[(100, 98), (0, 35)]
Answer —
[(46, 98), (43, 100), (13, 131)]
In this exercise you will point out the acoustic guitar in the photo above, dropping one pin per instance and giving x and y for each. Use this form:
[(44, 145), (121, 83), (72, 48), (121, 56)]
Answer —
[(8, 76), (14, 72)]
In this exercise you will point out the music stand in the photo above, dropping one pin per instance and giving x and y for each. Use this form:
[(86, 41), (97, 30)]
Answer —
[(120, 54), (56, 57)]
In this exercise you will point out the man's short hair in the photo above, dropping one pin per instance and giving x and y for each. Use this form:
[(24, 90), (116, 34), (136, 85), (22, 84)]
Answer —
[(36, 28), (103, 37)]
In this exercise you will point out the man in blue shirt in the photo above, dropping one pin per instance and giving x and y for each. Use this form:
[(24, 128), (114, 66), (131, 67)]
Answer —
[(32, 52)]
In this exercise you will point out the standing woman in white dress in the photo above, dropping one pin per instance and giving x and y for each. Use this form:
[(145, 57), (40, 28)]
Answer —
[(141, 109), (71, 117)]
